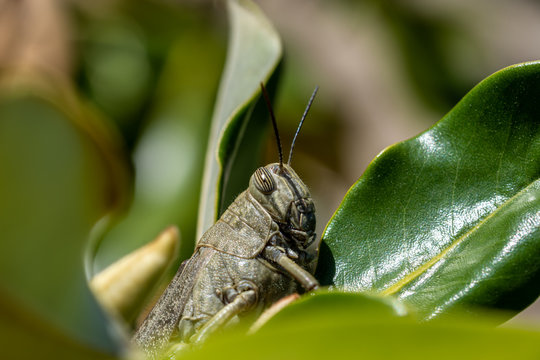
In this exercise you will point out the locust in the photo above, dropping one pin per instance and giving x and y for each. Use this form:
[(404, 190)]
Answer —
[(262, 248)]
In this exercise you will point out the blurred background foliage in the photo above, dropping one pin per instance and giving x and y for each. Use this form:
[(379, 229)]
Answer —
[(136, 81), (154, 68)]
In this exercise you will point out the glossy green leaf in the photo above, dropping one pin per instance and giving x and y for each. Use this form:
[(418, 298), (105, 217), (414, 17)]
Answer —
[(238, 122), (450, 217), (60, 172), (344, 326)]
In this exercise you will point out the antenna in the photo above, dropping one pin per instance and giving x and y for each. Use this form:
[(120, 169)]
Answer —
[(301, 122), (269, 105)]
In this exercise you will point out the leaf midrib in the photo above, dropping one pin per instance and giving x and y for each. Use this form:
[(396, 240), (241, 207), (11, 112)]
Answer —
[(426, 266)]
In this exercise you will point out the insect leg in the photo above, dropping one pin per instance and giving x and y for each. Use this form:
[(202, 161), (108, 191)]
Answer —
[(247, 297), (305, 279)]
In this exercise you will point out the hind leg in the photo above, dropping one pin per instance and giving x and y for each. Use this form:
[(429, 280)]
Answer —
[(244, 298)]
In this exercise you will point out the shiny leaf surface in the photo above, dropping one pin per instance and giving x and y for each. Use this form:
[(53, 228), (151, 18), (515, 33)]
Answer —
[(239, 120), (450, 217)]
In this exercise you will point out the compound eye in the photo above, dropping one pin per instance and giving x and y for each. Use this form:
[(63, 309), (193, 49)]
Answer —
[(264, 182)]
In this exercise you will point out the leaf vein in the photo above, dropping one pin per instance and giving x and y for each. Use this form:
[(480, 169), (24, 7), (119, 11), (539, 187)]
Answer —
[(429, 264)]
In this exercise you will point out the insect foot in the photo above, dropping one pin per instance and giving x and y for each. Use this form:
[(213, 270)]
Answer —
[(276, 255), (229, 293), (245, 297)]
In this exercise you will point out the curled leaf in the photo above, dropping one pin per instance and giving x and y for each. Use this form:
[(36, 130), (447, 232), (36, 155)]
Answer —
[(253, 55), (124, 285)]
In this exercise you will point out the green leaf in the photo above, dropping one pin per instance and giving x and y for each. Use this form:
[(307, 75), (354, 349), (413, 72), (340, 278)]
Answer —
[(23, 335), (361, 306), (341, 326), (253, 56), (451, 217), (60, 172)]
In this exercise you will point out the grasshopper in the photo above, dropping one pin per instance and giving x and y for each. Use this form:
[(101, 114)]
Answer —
[(260, 250)]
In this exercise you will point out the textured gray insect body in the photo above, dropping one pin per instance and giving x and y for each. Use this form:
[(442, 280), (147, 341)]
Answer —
[(261, 249)]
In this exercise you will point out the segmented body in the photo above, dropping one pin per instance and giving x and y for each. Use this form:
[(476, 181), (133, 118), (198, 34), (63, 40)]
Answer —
[(232, 248), (227, 254)]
